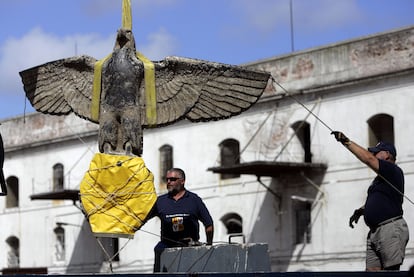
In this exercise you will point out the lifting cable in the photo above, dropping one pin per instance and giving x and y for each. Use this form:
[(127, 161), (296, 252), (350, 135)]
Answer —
[(209, 252), (300, 103), (255, 134), (109, 257), (331, 130), (250, 140), (295, 132)]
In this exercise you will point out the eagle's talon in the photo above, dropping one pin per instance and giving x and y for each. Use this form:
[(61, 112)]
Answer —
[(128, 149), (107, 148)]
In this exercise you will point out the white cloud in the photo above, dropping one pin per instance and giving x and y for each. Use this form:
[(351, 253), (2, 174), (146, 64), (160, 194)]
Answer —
[(160, 45), (266, 16), (38, 47)]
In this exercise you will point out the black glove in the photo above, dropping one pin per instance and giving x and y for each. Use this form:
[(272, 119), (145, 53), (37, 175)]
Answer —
[(341, 137), (355, 217)]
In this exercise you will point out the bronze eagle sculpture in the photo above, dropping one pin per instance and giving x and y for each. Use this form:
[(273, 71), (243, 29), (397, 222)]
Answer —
[(186, 88)]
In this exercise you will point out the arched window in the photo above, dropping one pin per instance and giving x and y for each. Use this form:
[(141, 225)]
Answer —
[(59, 243), (302, 131), (229, 155), (12, 198), (13, 255), (233, 223), (58, 177), (166, 161), (380, 128)]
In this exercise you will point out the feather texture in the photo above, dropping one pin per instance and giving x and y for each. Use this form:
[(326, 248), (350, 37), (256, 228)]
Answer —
[(186, 88)]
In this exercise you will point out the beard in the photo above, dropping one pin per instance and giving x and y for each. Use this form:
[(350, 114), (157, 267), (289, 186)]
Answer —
[(173, 190)]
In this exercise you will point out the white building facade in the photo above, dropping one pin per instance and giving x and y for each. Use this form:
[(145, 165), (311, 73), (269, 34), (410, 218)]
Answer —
[(288, 183)]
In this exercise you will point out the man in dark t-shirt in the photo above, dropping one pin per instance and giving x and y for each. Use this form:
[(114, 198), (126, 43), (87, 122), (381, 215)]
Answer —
[(179, 219), (383, 200), (383, 213), (179, 211)]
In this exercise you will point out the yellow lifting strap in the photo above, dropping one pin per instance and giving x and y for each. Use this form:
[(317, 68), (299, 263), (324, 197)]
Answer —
[(126, 15), (149, 76), (151, 99), (96, 89)]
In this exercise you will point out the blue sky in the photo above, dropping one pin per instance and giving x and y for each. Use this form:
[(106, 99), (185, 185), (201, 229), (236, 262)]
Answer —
[(230, 31)]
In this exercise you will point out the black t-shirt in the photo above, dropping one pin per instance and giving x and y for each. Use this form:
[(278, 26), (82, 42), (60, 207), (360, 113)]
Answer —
[(383, 200), (179, 219)]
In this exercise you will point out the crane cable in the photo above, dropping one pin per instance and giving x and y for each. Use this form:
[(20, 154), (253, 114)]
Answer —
[(149, 77)]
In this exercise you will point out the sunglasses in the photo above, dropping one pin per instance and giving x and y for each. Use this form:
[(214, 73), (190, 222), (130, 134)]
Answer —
[(172, 179)]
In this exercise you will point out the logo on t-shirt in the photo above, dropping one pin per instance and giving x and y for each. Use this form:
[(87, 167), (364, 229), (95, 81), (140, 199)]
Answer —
[(178, 223)]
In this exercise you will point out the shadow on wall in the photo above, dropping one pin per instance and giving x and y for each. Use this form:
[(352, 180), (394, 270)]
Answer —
[(284, 220), (89, 261)]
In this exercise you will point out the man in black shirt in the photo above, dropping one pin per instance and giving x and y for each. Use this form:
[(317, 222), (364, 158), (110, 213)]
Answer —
[(179, 211), (383, 214)]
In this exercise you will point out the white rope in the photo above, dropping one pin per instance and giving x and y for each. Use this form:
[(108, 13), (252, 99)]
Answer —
[(331, 130)]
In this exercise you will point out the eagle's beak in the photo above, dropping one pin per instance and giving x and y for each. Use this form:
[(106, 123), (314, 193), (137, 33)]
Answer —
[(123, 37)]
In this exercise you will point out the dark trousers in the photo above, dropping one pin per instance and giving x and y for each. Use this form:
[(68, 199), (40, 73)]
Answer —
[(158, 249)]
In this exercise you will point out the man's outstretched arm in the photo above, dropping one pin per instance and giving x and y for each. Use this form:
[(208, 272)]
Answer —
[(361, 153)]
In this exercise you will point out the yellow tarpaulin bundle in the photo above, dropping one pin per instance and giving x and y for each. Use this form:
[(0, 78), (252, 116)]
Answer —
[(117, 193)]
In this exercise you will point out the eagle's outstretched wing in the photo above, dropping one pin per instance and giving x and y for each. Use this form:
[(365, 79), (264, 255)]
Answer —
[(185, 88), (61, 87), (201, 90)]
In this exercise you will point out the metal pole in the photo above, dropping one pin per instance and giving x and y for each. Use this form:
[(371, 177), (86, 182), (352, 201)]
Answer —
[(291, 27)]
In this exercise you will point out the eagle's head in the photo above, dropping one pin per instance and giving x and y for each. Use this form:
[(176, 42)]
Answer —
[(124, 38)]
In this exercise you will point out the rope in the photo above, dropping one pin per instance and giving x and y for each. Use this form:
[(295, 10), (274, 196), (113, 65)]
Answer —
[(255, 134), (321, 192), (294, 134), (164, 238), (300, 103), (209, 252), (331, 130), (115, 198), (109, 257), (396, 189), (106, 254), (149, 76), (88, 149)]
